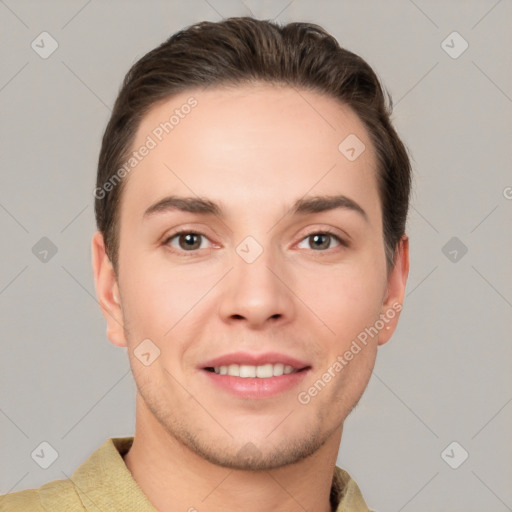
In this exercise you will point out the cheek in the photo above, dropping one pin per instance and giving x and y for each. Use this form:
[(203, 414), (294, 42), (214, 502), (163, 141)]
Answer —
[(157, 297), (347, 299)]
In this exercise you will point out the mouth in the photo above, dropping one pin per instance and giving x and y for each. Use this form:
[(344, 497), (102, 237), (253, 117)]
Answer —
[(245, 371), (252, 376)]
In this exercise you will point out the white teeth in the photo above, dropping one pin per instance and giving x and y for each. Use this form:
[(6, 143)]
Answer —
[(264, 371), (278, 369), (247, 371)]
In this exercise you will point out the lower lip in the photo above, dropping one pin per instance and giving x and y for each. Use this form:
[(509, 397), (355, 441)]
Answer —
[(254, 388)]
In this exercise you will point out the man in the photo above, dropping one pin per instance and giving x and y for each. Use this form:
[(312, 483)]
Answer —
[(251, 255)]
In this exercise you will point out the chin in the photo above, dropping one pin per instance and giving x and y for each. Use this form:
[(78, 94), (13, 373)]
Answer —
[(254, 456)]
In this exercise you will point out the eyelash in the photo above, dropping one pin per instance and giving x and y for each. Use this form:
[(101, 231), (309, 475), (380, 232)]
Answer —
[(193, 252)]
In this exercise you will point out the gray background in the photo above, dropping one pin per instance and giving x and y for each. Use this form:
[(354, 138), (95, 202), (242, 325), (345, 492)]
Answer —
[(445, 376)]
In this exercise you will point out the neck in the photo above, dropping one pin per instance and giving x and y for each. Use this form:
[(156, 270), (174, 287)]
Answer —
[(175, 478)]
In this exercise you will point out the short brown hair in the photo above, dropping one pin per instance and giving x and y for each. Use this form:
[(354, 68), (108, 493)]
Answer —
[(246, 50)]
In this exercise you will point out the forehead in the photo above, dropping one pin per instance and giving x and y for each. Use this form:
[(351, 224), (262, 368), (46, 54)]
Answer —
[(272, 140)]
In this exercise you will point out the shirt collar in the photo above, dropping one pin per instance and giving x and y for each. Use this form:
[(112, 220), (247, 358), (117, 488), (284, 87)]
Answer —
[(104, 482)]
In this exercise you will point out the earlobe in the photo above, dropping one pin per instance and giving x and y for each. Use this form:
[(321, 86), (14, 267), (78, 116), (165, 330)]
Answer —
[(107, 291), (397, 281)]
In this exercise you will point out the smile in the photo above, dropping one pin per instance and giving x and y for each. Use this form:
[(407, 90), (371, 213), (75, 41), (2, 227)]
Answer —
[(246, 371)]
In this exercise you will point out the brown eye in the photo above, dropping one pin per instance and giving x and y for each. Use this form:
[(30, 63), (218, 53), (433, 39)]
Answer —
[(187, 241), (321, 241)]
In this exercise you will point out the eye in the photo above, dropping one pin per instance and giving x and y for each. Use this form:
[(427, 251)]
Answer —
[(191, 241), (186, 240), (321, 240)]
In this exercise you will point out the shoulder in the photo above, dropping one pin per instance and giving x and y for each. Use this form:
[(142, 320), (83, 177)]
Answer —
[(22, 500), (101, 480), (59, 495)]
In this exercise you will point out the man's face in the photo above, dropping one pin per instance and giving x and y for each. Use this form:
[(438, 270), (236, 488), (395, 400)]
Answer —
[(256, 283)]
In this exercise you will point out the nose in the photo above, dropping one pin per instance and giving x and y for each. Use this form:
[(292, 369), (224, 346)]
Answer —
[(257, 293)]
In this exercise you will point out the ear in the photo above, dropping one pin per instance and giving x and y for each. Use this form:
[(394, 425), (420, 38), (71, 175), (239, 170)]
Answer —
[(107, 291), (395, 292)]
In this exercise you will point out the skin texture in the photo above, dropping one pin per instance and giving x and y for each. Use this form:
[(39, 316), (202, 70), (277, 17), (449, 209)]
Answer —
[(254, 150)]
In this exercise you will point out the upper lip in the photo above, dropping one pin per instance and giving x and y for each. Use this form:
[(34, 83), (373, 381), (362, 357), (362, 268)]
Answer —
[(255, 360)]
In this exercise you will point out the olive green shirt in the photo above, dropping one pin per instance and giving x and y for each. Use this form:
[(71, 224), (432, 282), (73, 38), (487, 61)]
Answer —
[(103, 482)]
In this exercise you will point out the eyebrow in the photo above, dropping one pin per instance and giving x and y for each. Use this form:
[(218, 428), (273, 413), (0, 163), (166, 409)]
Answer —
[(307, 205)]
